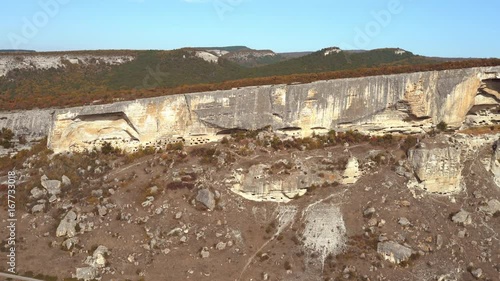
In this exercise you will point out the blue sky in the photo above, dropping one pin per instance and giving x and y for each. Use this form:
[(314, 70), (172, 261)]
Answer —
[(451, 28)]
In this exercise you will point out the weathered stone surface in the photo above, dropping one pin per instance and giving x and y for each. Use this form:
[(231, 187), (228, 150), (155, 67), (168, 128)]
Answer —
[(98, 258), (258, 185), (69, 243), (491, 208), (206, 197), (53, 187), (204, 253), (38, 208), (438, 169), (67, 225), (86, 273), (394, 252), (495, 162), (37, 193), (351, 173), (65, 181), (462, 217), (370, 104)]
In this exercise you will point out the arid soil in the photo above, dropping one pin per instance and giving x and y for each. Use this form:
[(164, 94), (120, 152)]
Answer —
[(156, 223)]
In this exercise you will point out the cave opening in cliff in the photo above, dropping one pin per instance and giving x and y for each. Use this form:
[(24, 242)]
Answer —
[(490, 87), (231, 131)]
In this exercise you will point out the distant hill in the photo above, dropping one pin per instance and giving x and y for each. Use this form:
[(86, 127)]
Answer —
[(16, 51), (79, 77)]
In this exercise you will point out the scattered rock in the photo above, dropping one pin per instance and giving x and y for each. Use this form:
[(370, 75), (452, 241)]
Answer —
[(204, 253), (178, 215), (491, 208), (394, 252), (462, 218), (98, 258), (102, 211), (38, 208), (86, 273), (369, 212), (477, 273), (220, 246), (38, 193), (70, 243), (404, 221), (65, 181), (207, 198), (53, 187), (67, 225)]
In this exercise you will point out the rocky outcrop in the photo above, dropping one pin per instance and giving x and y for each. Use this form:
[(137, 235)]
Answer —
[(379, 104), (394, 252), (47, 61), (351, 173), (407, 103), (259, 185), (437, 169), (495, 162)]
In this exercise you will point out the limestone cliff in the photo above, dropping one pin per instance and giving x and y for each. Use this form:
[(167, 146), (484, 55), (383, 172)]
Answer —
[(47, 61), (407, 103)]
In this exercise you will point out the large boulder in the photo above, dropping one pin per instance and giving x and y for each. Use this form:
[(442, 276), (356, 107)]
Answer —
[(438, 169), (394, 252), (86, 273), (259, 185), (98, 258), (67, 226), (206, 197), (53, 187)]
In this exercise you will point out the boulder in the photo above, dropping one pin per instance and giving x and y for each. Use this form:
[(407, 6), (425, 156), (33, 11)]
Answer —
[(38, 208), (86, 273), (394, 252), (438, 169), (38, 193), (53, 187), (70, 242), (65, 181), (206, 197), (98, 258), (491, 208), (67, 225), (462, 218)]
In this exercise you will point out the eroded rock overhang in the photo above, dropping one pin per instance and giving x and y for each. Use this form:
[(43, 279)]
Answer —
[(405, 103)]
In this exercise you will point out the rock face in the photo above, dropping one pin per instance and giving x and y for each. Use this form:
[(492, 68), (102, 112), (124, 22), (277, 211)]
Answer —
[(351, 173), (495, 162), (438, 169), (258, 185), (44, 61), (379, 104)]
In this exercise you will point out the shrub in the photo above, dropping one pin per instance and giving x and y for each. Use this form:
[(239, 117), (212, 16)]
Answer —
[(408, 143), (442, 126), (107, 148), (175, 146)]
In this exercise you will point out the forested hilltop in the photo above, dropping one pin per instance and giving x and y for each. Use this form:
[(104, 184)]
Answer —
[(85, 77)]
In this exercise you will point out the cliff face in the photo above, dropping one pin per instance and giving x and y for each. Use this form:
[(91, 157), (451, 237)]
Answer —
[(39, 61), (380, 104)]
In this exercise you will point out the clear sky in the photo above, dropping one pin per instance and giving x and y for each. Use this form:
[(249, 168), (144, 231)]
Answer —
[(450, 28)]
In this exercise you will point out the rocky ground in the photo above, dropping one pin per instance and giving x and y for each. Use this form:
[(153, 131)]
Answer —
[(248, 209)]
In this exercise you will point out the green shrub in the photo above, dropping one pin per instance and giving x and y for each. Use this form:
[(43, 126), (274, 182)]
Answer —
[(442, 126)]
